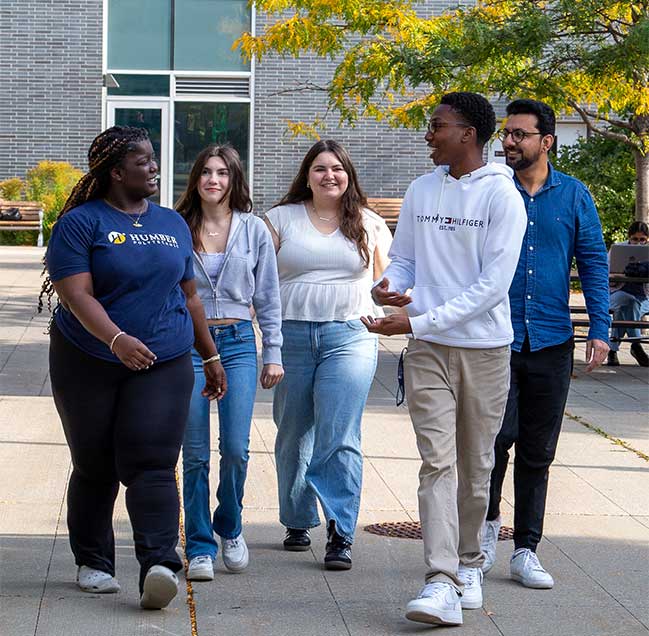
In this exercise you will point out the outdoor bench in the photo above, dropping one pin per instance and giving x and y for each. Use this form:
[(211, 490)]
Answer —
[(388, 209), (31, 213)]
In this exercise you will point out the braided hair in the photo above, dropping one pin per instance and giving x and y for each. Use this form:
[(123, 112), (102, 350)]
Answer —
[(106, 151)]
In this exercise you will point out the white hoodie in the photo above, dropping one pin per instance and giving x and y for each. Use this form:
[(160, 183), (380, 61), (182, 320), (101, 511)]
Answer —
[(456, 245)]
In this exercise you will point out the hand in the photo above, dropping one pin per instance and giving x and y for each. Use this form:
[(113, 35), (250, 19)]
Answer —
[(216, 384), (133, 353), (596, 351), (382, 296), (271, 375), (388, 326)]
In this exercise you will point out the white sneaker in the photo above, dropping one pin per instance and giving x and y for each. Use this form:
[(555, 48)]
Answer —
[(488, 542), (235, 553), (438, 603), (526, 568), (96, 581), (160, 588), (472, 579), (201, 568)]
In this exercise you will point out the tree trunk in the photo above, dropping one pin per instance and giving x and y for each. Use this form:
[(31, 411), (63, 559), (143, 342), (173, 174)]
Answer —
[(642, 187)]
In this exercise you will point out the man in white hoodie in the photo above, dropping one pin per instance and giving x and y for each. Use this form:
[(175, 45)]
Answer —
[(456, 247)]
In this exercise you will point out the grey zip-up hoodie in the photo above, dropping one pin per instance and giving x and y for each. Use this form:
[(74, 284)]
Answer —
[(248, 278)]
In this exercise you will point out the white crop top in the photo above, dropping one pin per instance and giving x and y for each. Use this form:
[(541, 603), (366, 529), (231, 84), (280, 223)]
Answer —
[(322, 277)]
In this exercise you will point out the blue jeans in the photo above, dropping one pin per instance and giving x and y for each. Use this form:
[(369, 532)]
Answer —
[(329, 368), (236, 344), (626, 306)]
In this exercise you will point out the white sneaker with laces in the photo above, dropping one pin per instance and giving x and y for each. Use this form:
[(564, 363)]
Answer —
[(438, 603), (526, 568), (201, 568), (472, 579), (96, 581), (160, 588), (488, 542), (235, 553)]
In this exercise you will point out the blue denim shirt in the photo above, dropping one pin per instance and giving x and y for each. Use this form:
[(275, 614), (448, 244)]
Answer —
[(562, 222)]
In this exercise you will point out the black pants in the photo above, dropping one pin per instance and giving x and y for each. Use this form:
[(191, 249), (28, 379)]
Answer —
[(537, 398), (121, 426)]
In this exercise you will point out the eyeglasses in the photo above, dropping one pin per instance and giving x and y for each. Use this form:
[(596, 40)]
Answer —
[(517, 134), (401, 389), (434, 125)]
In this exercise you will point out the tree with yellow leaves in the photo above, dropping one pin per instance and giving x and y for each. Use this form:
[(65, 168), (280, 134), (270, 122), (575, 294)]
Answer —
[(588, 56)]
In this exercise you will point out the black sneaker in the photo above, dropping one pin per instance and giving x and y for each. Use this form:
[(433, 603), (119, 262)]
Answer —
[(611, 359), (338, 552), (297, 540), (639, 354)]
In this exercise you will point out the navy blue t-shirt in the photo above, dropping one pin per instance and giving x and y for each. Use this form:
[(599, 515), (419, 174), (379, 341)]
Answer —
[(136, 275)]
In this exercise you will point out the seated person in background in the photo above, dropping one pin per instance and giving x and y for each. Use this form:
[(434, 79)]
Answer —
[(630, 301)]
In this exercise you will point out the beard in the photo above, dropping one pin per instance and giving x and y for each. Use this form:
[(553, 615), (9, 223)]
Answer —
[(523, 161)]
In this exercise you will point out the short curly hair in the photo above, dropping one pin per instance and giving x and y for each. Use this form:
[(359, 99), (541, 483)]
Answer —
[(475, 110)]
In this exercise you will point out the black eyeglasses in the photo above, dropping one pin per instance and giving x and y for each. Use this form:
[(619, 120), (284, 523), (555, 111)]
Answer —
[(434, 125), (517, 134), (401, 390)]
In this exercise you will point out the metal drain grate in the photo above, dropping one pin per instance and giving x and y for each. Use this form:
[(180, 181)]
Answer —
[(412, 530)]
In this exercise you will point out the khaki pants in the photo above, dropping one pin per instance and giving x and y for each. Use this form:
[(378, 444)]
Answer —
[(456, 398)]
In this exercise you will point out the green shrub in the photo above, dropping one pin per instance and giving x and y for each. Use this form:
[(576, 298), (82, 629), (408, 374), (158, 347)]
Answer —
[(607, 168)]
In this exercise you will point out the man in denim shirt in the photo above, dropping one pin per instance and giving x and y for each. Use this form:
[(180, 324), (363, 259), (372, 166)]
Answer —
[(562, 223)]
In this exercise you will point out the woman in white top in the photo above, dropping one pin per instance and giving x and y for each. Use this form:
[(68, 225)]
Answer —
[(330, 248)]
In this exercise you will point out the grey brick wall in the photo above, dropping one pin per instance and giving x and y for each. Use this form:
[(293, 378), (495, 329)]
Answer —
[(50, 81)]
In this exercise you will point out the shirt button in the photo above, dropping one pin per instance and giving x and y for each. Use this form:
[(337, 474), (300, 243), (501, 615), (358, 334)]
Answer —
[(529, 271), (531, 247), (532, 199), (527, 322), (531, 222), (529, 297)]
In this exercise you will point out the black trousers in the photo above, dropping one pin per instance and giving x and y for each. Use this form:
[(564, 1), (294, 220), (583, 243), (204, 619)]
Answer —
[(537, 398), (121, 426)]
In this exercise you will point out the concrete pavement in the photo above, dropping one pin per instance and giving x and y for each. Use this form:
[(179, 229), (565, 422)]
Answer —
[(597, 524)]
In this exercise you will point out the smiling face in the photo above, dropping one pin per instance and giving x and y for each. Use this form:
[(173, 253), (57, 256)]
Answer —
[(327, 177), (446, 135), (533, 148), (214, 183), (137, 173)]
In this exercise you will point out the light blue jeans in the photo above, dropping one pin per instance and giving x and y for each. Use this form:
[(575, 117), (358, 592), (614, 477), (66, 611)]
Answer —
[(329, 368), (626, 306), (236, 344)]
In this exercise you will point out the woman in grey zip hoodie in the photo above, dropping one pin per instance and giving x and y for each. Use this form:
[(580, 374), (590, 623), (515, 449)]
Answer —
[(236, 272)]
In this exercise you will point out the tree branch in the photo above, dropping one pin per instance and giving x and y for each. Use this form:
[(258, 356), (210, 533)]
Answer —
[(608, 134)]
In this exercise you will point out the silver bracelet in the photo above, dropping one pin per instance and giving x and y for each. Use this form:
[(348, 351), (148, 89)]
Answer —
[(214, 358), (112, 342)]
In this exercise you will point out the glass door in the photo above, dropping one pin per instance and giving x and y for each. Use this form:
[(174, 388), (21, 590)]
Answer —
[(154, 117)]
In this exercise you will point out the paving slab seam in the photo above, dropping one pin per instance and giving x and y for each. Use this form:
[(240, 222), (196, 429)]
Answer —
[(615, 440), (378, 472), (13, 350), (594, 580), (602, 380), (54, 538)]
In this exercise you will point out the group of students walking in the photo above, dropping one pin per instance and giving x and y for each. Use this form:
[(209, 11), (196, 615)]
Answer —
[(155, 320)]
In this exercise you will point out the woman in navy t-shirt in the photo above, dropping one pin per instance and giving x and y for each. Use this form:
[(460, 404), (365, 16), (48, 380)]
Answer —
[(120, 361)]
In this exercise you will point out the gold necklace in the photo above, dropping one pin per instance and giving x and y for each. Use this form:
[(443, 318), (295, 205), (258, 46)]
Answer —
[(136, 223), (322, 218)]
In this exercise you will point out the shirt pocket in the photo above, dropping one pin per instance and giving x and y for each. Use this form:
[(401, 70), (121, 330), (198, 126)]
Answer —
[(236, 279)]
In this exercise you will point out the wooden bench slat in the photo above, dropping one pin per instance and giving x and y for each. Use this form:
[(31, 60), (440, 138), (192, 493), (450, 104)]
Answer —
[(32, 217)]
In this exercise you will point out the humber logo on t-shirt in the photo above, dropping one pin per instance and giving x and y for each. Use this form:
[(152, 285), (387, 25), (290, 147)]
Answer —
[(117, 238)]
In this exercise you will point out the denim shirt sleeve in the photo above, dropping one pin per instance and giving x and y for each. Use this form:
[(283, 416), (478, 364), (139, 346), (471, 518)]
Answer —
[(592, 264)]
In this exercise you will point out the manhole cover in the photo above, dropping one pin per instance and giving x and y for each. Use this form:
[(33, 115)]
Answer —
[(412, 530)]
